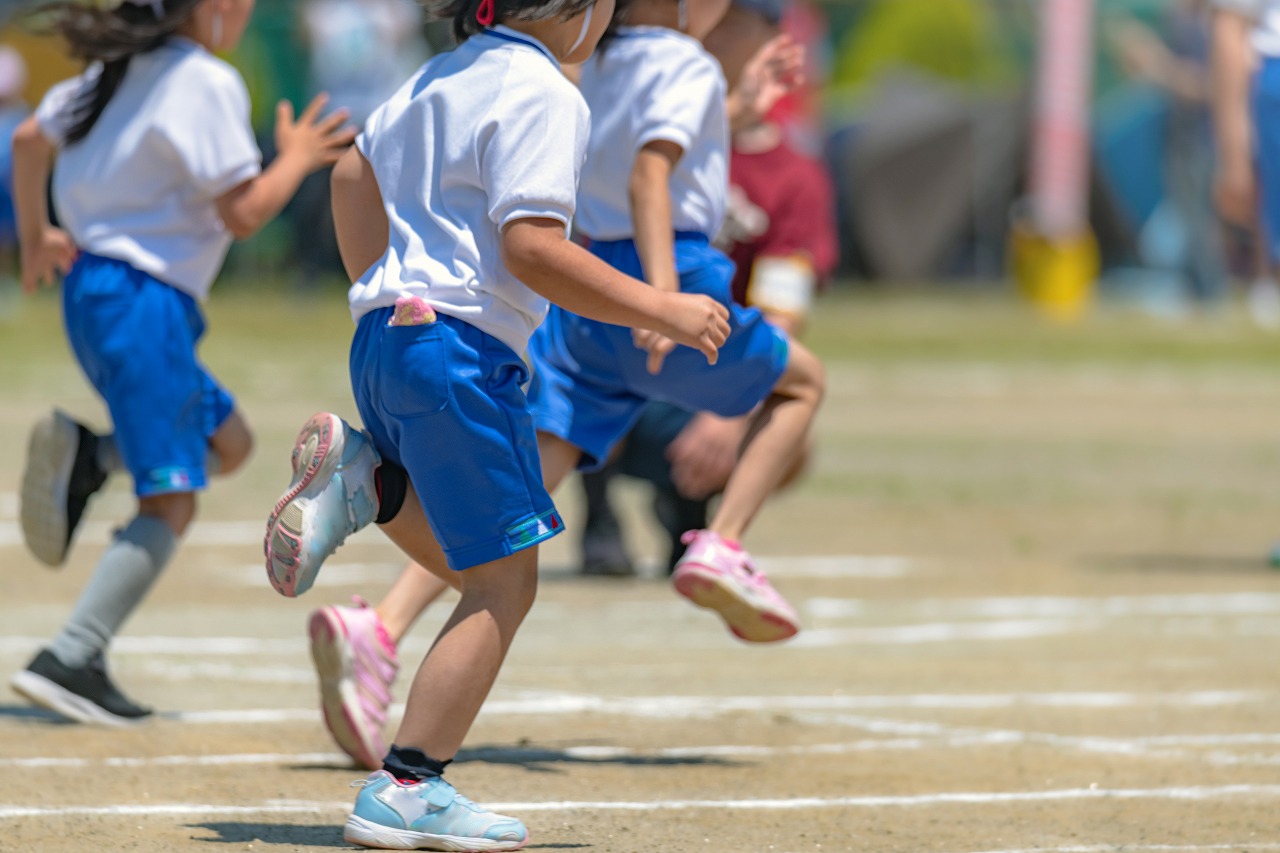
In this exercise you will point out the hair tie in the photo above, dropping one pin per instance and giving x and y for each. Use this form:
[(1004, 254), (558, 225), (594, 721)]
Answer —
[(485, 14)]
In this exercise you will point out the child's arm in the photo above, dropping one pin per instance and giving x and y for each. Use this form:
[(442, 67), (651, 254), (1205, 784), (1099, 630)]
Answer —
[(304, 146), (536, 251), (1232, 65), (46, 251), (650, 193), (359, 218), (775, 70)]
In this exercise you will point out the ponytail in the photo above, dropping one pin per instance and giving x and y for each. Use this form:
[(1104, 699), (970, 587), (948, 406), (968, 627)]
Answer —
[(111, 37)]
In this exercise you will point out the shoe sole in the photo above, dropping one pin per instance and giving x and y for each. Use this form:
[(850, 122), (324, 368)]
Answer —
[(708, 588), (283, 540), (54, 697), (339, 699), (369, 834), (44, 488)]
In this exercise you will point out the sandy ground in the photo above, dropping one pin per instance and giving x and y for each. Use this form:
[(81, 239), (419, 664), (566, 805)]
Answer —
[(1037, 618)]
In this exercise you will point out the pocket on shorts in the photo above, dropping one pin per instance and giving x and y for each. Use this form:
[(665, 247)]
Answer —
[(414, 378)]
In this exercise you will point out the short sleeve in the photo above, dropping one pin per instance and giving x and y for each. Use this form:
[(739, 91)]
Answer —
[(55, 114), (209, 129), (532, 145), (684, 93)]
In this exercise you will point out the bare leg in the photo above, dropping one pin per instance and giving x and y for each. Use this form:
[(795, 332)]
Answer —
[(421, 583), (230, 446), (462, 665), (774, 444)]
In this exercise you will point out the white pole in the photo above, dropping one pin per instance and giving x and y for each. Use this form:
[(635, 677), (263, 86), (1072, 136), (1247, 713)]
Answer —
[(1060, 132)]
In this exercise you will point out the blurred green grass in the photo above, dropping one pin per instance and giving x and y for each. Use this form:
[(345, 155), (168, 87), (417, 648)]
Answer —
[(309, 332)]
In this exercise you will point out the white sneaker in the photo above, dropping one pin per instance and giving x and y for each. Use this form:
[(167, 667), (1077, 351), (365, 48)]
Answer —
[(332, 495)]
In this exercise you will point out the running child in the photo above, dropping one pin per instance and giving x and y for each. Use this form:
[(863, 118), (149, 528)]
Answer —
[(659, 98), (156, 172), (457, 204), (354, 648)]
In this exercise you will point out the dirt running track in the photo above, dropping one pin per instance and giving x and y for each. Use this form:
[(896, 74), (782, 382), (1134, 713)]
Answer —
[(1036, 620)]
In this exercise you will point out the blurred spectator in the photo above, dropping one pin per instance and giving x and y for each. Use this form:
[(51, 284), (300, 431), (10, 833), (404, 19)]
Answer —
[(1178, 63), (359, 52), (13, 110), (1246, 102), (780, 231)]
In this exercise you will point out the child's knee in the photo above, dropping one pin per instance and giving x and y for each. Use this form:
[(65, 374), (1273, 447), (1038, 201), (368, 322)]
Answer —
[(176, 510), (231, 445), (805, 377)]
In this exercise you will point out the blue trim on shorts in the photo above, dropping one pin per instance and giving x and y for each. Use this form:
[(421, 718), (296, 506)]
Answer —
[(135, 338), (445, 401)]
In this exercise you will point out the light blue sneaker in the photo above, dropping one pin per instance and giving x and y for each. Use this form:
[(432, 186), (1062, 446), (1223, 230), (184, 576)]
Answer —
[(430, 815), (332, 495)]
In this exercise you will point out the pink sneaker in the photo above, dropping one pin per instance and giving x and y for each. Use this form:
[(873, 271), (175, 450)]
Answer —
[(717, 574), (357, 665)]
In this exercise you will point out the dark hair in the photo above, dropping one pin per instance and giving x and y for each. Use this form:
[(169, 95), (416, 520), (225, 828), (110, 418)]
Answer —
[(463, 12), (619, 19), (111, 37)]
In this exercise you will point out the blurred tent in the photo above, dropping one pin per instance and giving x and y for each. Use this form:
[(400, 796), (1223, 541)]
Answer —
[(929, 177), (926, 168)]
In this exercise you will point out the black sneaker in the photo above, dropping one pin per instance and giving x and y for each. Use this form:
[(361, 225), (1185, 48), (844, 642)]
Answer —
[(603, 552), (85, 695), (62, 473)]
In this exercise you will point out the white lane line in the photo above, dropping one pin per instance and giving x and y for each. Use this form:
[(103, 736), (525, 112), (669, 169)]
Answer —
[(182, 760), (1198, 793), (693, 707), (1053, 607), (943, 632), (1146, 848), (901, 736), (160, 645)]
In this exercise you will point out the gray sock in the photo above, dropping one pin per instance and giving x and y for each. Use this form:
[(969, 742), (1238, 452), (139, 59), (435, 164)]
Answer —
[(132, 563)]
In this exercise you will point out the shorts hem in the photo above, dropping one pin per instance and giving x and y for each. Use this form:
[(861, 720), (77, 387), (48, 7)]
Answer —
[(176, 481), (519, 536)]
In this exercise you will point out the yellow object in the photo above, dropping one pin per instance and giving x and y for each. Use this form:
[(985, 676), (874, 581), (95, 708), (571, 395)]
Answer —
[(46, 58), (1059, 277)]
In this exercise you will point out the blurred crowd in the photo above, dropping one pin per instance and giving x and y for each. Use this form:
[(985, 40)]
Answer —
[(919, 109)]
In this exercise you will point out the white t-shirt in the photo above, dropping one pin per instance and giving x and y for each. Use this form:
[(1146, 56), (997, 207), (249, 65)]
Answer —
[(482, 135), (142, 186), (1266, 16), (653, 83)]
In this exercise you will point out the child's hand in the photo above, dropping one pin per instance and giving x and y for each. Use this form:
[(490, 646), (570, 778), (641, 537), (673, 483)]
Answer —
[(775, 70), (315, 142), (694, 320), (47, 256), (656, 344)]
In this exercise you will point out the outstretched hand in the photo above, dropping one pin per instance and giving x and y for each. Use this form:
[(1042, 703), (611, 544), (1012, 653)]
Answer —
[(776, 69), (316, 141), (47, 257)]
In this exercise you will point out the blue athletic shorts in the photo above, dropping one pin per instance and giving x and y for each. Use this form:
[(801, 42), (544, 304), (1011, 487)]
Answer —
[(590, 381), (445, 402), (135, 338), (1266, 114)]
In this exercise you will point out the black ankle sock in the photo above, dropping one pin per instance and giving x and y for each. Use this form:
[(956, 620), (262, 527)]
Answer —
[(412, 765), (393, 485)]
